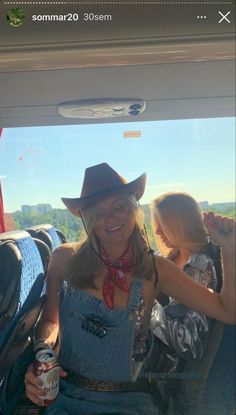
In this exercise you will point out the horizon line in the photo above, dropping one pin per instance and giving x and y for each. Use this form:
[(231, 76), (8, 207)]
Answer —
[(143, 204)]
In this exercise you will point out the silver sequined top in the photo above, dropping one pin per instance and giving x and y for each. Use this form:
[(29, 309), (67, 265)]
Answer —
[(185, 331)]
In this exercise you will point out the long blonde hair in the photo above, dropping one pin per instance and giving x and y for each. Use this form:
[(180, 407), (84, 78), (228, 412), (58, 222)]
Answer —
[(181, 219), (86, 264)]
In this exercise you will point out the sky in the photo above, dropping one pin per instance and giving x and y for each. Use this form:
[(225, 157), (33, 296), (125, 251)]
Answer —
[(43, 164)]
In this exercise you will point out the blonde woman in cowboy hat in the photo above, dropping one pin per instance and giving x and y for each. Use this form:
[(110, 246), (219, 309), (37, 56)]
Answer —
[(112, 279)]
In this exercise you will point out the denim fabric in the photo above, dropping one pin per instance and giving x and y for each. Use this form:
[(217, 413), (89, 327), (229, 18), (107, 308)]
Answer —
[(108, 358), (77, 401)]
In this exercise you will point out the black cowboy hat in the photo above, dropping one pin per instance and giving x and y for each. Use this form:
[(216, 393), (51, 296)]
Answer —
[(100, 180)]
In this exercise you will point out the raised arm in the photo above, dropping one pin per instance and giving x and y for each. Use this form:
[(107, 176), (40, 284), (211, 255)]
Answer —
[(186, 331), (174, 283), (222, 231)]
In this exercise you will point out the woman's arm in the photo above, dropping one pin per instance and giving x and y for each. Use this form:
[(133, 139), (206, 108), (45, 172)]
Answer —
[(186, 331), (222, 231), (48, 326), (174, 283)]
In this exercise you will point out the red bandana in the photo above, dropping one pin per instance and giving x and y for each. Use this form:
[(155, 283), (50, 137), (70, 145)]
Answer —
[(116, 274)]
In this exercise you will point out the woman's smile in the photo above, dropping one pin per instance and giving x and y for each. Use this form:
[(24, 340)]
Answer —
[(115, 221), (114, 229)]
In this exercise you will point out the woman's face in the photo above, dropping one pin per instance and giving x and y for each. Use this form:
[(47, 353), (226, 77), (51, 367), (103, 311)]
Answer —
[(115, 220), (159, 231)]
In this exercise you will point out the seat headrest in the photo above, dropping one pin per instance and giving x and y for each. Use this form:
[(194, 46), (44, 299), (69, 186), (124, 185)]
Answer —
[(13, 235), (10, 274), (20, 267), (48, 234)]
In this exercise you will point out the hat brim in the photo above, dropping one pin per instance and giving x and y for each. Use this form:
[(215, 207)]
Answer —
[(136, 187)]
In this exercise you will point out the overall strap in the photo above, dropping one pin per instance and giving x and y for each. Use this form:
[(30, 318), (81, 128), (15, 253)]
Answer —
[(136, 293)]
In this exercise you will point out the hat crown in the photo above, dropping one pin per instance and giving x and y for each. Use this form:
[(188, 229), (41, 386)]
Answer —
[(99, 179)]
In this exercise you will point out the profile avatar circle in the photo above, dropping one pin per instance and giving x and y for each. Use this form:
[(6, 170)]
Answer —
[(16, 17)]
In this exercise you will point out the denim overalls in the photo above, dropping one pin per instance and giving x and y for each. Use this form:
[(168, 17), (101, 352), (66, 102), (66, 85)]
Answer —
[(108, 358)]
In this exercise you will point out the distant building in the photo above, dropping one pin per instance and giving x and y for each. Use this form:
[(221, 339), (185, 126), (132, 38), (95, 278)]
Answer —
[(204, 204), (41, 208), (28, 209)]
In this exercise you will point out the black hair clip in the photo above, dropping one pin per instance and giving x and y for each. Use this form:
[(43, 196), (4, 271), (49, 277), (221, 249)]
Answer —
[(94, 325)]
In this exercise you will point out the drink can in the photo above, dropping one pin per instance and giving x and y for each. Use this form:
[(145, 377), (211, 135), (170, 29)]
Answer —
[(47, 369)]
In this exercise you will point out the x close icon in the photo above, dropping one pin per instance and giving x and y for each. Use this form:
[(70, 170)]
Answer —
[(224, 17)]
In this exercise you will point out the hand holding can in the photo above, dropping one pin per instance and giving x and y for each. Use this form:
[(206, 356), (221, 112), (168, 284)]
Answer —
[(42, 385), (47, 369)]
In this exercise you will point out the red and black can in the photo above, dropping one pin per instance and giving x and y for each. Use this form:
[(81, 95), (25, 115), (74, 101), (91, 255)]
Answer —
[(47, 369)]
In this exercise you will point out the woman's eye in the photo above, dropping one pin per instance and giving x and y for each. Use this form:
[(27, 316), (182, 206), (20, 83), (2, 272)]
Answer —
[(119, 208)]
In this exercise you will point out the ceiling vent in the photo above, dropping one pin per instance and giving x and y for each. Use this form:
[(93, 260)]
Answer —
[(101, 108)]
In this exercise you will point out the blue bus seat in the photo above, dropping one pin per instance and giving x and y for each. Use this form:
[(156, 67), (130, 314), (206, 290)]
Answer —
[(22, 294), (44, 251), (48, 234)]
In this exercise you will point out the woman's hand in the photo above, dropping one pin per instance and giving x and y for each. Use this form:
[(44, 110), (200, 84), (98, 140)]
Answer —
[(221, 230), (33, 386)]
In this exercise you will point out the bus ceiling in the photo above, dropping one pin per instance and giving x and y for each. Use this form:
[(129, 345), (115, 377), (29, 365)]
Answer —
[(180, 68)]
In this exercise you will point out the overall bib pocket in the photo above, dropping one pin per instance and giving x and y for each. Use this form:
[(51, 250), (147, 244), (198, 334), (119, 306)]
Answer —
[(93, 343)]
